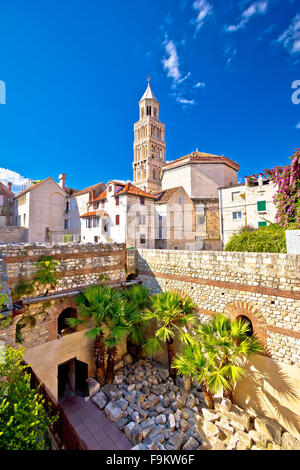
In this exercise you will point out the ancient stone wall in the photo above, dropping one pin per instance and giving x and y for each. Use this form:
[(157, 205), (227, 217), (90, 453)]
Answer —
[(265, 287)]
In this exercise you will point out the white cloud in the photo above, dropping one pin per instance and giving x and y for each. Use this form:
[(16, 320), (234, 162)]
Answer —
[(257, 8), (290, 39), (171, 63), (10, 176), (203, 9), (199, 85), (185, 101), (298, 125)]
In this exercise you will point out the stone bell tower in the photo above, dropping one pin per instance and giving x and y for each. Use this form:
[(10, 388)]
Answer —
[(149, 144)]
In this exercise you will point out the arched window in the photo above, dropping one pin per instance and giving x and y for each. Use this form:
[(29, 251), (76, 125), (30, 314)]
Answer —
[(62, 326)]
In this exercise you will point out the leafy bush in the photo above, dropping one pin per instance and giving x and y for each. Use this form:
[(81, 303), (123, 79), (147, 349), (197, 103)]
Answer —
[(24, 417), (270, 239)]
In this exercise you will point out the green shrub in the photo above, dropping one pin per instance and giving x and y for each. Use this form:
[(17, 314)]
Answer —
[(270, 239)]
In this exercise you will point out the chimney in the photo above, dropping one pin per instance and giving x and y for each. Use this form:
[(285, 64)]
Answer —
[(93, 194), (62, 180), (9, 185)]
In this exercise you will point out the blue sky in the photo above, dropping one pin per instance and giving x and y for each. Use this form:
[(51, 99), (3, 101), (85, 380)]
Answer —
[(75, 70)]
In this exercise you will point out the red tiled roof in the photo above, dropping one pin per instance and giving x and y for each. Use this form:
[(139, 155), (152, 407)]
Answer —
[(95, 214), (4, 188), (101, 196), (202, 157), (131, 189)]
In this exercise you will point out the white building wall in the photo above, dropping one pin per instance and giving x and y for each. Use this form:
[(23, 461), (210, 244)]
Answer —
[(231, 202)]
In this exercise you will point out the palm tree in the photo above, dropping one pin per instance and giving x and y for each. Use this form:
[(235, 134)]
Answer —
[(173, 314), (137, 300), (216, 354), (117, 326), (101, 309)]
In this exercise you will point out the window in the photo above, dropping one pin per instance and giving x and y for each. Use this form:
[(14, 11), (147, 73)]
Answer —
[(19, 220), (67, 206), (89, 223), (142, 239), (261, 206), (95, 239), (109, 189), (235, 196), (180, 200), (105, 228), (117, 220), (102, 204), (117, 200), (236, 215), (66, 224), (1, 200), (155, 112), (200, 220), (24, 219), (148, 110), (72, 224), (142, 201), (95, 221), (262, 224), (142, 219)]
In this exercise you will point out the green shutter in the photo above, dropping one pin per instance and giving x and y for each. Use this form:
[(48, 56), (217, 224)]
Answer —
[(262, 224), (261, 206)]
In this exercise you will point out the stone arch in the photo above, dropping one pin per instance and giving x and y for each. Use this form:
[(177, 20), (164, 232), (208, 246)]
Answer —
[(244, 309), (60, 306)]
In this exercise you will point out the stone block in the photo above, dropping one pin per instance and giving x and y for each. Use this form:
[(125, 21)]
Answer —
[(93, 386), (269, 428), (133, 432), (113, 412), (177, 440), (191, 444), (99, 400)]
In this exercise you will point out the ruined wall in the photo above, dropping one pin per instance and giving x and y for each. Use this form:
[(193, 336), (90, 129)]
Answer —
[(79, 265), (262, 286), (12, 234)]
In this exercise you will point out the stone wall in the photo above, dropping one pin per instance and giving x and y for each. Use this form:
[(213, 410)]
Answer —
[(11, 234), (261, 286), (79, 265), (265, 285)]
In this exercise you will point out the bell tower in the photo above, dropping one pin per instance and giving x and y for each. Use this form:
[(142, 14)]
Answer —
[(149, 144)]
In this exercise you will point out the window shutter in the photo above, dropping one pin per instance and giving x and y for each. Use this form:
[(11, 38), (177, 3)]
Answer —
[(261, 206)]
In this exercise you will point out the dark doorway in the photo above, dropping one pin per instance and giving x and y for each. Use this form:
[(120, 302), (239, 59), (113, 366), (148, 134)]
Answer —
[(62, 326), (71, 377)]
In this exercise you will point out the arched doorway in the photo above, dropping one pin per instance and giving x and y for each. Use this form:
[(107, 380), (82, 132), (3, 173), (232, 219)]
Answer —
[(131, 277), (62, 325)]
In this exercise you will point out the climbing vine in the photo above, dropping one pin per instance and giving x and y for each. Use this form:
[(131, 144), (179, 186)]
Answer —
[(46, 275), (29, 319)]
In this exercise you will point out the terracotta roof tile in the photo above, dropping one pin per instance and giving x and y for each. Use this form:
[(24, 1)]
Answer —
[(166, 195), (99, 213), (131, 189)]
